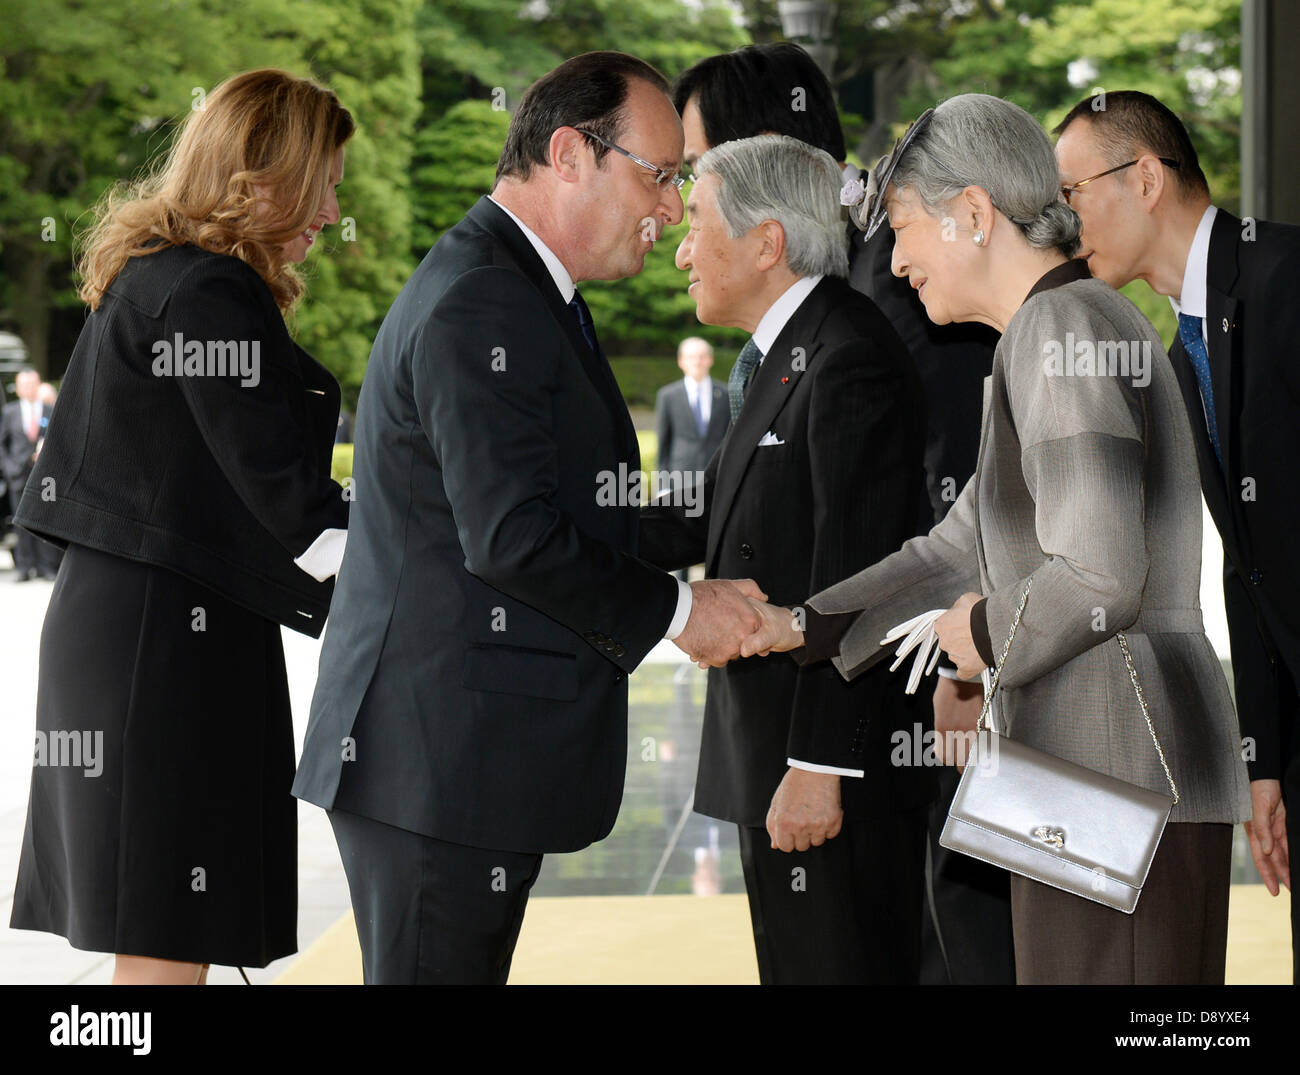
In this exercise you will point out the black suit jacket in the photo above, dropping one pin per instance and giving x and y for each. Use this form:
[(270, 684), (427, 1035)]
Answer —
[(951, 360), (223, 481), (15, 447), (681, 447), (1253, 341), (490, 605), (836, 495)]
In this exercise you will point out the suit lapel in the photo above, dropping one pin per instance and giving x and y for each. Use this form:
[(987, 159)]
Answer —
[(1221, 327), (492, 218), (773, 385)]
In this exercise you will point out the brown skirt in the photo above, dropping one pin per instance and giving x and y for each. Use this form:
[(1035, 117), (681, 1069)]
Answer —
[(1177, 935)]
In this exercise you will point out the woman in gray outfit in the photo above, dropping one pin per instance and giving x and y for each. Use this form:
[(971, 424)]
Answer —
[(1086, 487)]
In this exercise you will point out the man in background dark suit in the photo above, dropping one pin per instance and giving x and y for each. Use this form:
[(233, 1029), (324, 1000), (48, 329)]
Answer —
[(1131, 172), (967, 930), (22, 427), (819, 475), (691, 417), (471, 708)]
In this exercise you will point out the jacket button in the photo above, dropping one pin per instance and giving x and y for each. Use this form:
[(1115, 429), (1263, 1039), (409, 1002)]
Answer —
[(746, 552), (1256, 576), (619, 651), (619, 677)]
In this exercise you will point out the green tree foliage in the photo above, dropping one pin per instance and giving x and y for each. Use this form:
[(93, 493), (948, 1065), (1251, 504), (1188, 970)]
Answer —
[(366, 52), (91, 94), (1045, 55), (480, 54), (87, 96)]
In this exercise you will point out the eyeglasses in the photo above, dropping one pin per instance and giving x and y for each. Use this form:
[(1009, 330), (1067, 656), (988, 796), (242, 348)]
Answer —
[(662, 175), (1067, 191)]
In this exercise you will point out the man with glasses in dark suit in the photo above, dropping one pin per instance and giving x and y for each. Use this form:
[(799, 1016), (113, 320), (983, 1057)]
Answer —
[(1130, 170), (471, 709)]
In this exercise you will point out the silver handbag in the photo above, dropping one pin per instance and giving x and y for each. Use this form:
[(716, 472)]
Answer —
[(1053, 821)]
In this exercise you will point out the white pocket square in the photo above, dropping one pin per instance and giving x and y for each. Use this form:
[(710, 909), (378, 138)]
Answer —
[(770, 438)]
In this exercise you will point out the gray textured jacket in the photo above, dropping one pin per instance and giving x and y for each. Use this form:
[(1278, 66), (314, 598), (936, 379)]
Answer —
[(1087, 482)]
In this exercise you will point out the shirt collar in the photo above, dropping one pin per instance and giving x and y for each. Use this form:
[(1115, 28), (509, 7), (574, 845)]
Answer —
[(1192, 299), (780, 312), (1074, 269), (563, 281)]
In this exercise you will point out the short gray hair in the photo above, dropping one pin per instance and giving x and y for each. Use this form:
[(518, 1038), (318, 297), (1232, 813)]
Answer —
[(776, 177), (975, 140)]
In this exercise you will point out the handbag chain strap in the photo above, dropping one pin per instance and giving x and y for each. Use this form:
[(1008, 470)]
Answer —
[(982, 723)]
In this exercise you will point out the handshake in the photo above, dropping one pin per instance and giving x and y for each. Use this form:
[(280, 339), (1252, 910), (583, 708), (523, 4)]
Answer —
[(730, 618)]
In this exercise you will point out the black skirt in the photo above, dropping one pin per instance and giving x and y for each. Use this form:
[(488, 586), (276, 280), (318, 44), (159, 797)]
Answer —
[(160, 821)]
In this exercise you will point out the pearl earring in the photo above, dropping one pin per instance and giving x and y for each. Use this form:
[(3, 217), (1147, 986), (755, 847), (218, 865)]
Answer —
[(979, 237)]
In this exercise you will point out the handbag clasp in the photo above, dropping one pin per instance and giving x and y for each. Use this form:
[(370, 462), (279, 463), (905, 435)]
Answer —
[(1049, 835)]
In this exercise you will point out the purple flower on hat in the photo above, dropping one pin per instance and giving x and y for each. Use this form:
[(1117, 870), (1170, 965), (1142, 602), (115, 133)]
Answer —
[(852, 192)]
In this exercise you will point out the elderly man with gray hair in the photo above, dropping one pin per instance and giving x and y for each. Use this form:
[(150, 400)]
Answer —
[(817, 478)]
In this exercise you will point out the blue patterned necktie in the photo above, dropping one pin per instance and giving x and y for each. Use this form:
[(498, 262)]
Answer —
[(580, 311), (1189, 331), (741, 374)]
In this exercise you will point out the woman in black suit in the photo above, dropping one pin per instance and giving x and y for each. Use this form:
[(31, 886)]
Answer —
[(187, 472)]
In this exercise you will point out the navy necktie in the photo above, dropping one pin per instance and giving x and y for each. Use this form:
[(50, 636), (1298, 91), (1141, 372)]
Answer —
[(1189, 331), (741, 374), (580, 311)]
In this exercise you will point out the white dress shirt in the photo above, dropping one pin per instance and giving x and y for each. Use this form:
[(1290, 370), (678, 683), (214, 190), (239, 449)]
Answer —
[(779, 313), (1192, 300), (703, 391), (766, 331)]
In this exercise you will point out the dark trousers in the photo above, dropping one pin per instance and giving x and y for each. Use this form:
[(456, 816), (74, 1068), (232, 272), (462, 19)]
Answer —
[(1177, 935), (845, 913), (30, 552), (966, 930), (430, 912)]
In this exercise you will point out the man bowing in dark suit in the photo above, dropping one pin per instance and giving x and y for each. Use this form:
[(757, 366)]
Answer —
[(471, 708), (1129, 169), (819, 473)]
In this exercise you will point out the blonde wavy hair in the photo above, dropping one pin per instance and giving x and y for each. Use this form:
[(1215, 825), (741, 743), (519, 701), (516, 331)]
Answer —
[(261, 130)]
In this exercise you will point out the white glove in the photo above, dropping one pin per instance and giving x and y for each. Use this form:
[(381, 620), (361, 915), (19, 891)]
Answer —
[(917, 632)]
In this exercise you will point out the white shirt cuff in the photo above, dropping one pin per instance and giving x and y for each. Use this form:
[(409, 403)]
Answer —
[(324, 555), (813, 767), (684, 601), (948, 673)]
